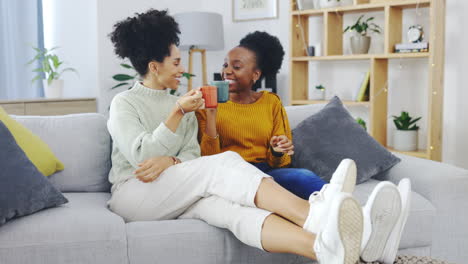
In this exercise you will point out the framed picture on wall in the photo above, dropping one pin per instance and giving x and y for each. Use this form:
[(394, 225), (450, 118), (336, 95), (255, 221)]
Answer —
[(246, 10)]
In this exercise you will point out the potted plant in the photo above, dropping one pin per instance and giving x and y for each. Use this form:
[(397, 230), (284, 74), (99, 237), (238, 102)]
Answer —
[(127, 79), (360, 43), (318, 93), (405, 137), (50, 69), (329, 3)]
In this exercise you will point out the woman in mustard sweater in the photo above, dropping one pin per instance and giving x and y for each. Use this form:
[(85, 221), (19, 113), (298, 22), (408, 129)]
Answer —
[(255, 124)]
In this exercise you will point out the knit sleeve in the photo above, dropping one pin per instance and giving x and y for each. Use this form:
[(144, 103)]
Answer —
[(208, 145), (190, 148), (280, 127), (133, 140)]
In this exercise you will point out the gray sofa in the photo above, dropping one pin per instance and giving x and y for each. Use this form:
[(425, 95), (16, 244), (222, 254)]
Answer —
[(85, 231)]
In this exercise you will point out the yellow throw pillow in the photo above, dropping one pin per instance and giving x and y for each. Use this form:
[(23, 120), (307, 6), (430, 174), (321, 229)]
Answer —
[(35, 148)]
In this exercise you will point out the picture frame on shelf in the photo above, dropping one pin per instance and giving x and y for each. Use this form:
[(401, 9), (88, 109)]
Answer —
[(247, 10)]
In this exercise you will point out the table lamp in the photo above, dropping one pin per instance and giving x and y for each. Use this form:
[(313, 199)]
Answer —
[(200, 31)]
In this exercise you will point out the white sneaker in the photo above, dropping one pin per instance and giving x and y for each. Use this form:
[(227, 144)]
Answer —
[(340, 239), (391, 249), (381, 214), (343, 180), (344, 177)]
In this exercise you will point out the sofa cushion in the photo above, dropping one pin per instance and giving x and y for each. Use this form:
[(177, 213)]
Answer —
[(82, 231), (419, 226), (36, 150), (324, 139), (23, 189), (82, 142), (193, 241)]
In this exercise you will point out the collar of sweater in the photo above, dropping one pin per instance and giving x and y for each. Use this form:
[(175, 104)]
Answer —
[(139, 88)]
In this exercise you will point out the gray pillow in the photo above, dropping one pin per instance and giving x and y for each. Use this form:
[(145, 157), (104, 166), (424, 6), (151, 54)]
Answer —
[(23, 189), (322, 140)]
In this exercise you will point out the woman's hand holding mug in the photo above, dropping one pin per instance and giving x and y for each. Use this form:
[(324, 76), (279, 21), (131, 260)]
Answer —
[(191, 101)]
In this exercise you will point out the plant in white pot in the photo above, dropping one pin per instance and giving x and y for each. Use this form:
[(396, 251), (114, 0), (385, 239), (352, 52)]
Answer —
[(405, 137), (318, 93), (360, 43), (50, 66), (329, 3)]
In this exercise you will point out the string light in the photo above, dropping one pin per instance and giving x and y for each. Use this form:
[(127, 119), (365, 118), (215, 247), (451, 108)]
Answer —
[(418, 11)]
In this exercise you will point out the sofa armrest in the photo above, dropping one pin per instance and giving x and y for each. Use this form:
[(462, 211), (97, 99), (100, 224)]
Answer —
[(446, 187)]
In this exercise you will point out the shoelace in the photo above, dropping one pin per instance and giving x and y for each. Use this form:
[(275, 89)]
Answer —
[(318, 196)]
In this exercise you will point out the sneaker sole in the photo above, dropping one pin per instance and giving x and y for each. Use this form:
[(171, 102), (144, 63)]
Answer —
[(390, 252), (351, 228), (385, 212)]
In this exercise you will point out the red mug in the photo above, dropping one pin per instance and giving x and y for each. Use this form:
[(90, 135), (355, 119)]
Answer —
[(210, 94)]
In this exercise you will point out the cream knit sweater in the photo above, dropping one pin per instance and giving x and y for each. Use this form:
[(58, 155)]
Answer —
[(136, 125)]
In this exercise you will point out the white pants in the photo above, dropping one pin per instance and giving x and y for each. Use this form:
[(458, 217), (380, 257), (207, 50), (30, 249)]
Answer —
[(218, 189)]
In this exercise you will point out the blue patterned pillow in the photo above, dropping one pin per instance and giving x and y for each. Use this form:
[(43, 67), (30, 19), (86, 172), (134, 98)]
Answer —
[(322, 140), (23, 189)]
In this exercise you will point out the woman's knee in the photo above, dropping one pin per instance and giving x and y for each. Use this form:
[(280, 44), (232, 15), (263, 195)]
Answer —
[(231, 155)]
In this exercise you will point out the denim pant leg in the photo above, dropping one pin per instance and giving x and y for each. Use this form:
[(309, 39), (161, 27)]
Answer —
[(301, 182)]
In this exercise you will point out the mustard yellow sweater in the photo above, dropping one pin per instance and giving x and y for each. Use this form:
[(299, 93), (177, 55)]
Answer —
[(247, 130)]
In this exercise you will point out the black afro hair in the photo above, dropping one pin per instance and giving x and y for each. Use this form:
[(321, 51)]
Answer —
[(145, 37), (268, 51)]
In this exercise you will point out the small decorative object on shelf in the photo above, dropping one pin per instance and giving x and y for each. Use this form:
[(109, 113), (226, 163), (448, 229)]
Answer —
[(415, 36), (50, 70), (415, 33), (360, 43), (329, 3), (361, 122), (318, 93), (311, 51), (405, 137)]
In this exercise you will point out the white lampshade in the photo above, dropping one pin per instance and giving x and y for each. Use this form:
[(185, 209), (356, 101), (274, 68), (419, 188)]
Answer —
[(203, 30)]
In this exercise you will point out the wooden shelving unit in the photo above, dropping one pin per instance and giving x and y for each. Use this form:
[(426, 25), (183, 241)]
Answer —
[(332, 43)]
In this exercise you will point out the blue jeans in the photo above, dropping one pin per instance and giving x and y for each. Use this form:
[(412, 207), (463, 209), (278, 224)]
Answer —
[(301, 182)]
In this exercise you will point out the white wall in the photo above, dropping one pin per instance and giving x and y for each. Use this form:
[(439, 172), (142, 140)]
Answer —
[(407, 82), (455, 135), (71, 25)]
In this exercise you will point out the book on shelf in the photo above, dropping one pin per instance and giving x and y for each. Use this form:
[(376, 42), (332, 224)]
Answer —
[(363, 89), (417, 45), (411, 50)]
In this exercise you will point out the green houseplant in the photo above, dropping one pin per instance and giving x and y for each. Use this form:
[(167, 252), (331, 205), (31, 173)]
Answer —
[(318, 93), (360, 43), (405, 137), (361, 122), (51, 69), (128, 79)]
